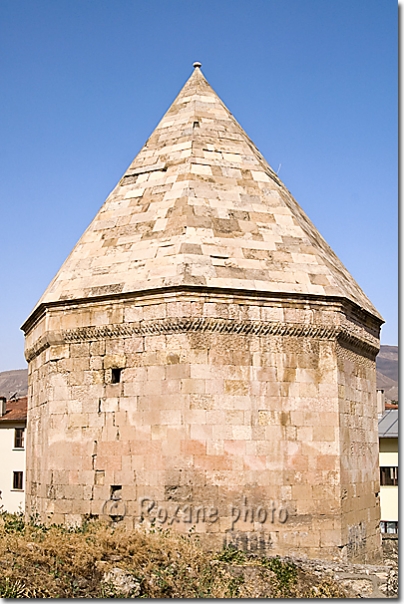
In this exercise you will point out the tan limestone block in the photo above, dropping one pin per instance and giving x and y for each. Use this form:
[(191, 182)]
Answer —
[(154, 343), (255, 462), (215, 417), (152, 388), (194, 416), (71, 321), (147, 416), (112, 390), (128, 403), (76, 378), (172, 386), (96, 420), (80, 350), (324, 433), (75, 406), (114, 360), (131, 389), (193, 447), (170, 417), (135, 374), (241, 432), (121, 418), (63, 506), (305, 434), (154, 311), (202, 433), (156, 373), (265, 374), (200, 371), (215, 448), (326, 462), (325, 491), (64, 366), (197, 356), (327, 506), (237, 387), (298, 462), (193, 386), (112, 462), (133, 314), (267, 418), (177, 372), (81, 364), (159, 432), (233, 417), (171, 450), (329, 418), (138, 462), (309, 539), (95, 377), (77, 420), (234, 402), (96, 363), (57, 518), (59, 352), (133, 345), (212, 462), (306, 418)]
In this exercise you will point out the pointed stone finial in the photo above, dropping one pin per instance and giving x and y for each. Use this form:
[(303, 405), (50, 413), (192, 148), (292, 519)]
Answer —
[(197, 64)]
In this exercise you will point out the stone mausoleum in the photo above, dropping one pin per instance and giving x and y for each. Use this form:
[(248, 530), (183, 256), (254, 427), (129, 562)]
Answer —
[(203, 359)]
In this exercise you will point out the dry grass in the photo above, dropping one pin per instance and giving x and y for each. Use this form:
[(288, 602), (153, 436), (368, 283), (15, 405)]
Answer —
[(101, 561)]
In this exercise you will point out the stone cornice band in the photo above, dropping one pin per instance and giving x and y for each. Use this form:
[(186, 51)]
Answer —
[(363, 343), (205, 293)]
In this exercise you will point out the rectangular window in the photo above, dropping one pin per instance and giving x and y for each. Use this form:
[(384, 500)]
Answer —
[(116, 375), (19, 438), (389, 476), (388, 526), (18, 481), (116, 491)]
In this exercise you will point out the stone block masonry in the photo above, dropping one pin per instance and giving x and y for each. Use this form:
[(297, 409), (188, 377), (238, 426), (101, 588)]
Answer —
[(222, 421), (203, 360)]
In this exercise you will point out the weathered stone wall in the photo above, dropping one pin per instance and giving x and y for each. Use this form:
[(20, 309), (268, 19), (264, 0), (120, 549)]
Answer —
[(360, 488), (229, 416)]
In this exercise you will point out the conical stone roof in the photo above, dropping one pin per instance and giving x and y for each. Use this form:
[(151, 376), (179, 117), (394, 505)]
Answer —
[(200, 206)]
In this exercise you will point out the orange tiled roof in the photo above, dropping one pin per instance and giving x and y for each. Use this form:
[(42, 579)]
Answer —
[(390, 406), (16, 411)]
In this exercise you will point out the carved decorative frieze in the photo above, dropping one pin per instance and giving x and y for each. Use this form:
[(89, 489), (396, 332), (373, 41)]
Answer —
[(200, 324), (359, 341), (364, 357)]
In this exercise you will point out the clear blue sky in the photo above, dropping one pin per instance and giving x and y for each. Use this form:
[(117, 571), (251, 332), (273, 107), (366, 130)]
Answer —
[(84, 83)]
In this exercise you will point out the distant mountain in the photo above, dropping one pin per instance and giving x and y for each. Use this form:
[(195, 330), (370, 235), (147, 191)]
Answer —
[(387, 371), (14, 382), (386, 376)]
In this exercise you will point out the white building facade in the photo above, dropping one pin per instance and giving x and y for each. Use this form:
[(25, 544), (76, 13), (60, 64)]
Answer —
[(13, 419), (388, 460)]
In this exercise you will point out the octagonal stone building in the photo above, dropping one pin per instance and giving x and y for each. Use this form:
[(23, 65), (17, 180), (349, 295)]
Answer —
[(203, 359)]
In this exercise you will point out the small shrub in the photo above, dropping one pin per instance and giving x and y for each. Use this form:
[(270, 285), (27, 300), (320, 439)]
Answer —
[(13, 523), (231, 555), (285, 573), (234, 586)]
